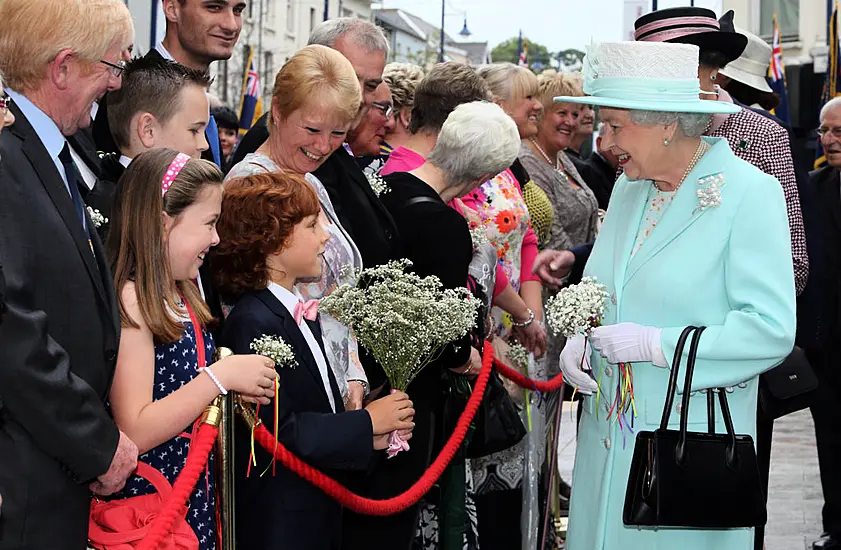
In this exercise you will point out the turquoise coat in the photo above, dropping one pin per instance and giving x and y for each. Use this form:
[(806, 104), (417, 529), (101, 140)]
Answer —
[(727, 267)]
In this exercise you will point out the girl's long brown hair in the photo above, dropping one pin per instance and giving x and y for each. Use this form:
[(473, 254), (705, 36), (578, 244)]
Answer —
[(136, 240)]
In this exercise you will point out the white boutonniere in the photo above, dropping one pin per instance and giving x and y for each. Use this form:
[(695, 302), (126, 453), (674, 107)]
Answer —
[(378, 185), (275, 349), (97, 219), (709, 191)]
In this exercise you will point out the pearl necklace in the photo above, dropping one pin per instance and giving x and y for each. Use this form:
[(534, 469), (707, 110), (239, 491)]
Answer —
[(699, 152), (557, 166)]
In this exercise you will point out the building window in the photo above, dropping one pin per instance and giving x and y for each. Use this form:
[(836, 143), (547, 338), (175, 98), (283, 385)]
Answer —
[(788, 17), (312, 19), (290, 16)]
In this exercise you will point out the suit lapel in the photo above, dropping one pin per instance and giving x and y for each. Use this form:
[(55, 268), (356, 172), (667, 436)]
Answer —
[(297, 340), (629, 214), (681, 214), (49, 177), (315, 327)]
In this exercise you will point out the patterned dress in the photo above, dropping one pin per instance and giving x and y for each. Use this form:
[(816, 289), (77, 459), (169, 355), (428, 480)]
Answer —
[(175, 365), (503, 211), (341, 261)]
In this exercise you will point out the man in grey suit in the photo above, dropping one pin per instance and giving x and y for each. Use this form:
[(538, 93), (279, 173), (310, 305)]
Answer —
[(60, 331)]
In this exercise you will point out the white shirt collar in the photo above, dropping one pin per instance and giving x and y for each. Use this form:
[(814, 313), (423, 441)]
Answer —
[(287, 298), (125, 161), (44, 126), (163, 51)]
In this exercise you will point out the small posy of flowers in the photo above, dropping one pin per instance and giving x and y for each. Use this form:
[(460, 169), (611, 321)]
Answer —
[(577, 308), (518, 355), (378, 184), (479, 237), (404, 320), (97, 219), (709, 191), (276, 349)]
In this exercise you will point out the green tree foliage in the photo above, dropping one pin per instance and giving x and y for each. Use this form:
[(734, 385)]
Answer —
[(508, 51)]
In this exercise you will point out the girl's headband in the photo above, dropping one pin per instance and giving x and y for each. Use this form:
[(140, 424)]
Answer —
[(172, 172)]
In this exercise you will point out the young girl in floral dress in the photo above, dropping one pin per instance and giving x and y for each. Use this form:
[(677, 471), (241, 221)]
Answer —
[(164, 222)]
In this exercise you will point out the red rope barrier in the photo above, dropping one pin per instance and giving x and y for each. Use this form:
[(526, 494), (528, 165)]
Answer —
[(524, 382), (398, 503), (200, 447)]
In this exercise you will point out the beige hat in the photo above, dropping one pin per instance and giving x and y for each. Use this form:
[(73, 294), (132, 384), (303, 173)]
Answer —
[(752, 67)]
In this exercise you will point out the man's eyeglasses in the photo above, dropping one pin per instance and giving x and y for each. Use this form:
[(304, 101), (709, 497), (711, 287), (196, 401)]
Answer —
[(116, 68), (835, 131), (4, 105), (387, 109)]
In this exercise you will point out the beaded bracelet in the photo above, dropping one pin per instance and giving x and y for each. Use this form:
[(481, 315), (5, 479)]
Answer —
[(216, 381), (524, 324)]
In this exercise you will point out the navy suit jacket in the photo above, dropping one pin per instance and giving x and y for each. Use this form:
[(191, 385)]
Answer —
[(283, 511)]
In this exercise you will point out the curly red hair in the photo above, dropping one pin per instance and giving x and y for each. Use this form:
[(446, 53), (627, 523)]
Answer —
[(259, 213)]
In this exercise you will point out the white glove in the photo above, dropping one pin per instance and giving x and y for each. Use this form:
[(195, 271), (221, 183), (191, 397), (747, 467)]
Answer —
[(576, 371), (629, 343)]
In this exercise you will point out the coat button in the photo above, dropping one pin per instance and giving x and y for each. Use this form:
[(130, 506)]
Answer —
[(613, 298), (387, 234), (729, 389), (607, 443), (110, 354), (608, 371), (743, 385)]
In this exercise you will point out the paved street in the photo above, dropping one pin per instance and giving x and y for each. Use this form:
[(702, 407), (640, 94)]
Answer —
[(794, 506)]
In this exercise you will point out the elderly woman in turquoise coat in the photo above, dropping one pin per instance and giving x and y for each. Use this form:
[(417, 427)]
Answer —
[(693, 236)]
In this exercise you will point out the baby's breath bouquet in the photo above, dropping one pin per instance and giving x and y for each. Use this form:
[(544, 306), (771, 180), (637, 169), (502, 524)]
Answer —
[(403, 319), (276, 349), (577, 308)]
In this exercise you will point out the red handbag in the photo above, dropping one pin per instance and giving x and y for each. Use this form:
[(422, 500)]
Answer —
[(122, 523)]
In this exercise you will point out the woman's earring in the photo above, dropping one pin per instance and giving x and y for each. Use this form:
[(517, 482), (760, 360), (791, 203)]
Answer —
[(666, 142), (712, 77)]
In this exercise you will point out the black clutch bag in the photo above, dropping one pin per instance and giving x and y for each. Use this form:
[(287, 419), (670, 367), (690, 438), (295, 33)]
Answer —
[(693, 480), (497, 421), (788, 387)]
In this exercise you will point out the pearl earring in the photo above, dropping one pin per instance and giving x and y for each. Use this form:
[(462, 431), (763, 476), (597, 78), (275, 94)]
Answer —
[(712, 77), (666, 142)]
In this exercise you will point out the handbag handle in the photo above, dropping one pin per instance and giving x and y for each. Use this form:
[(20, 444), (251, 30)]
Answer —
[(670, 393), (680, 449)]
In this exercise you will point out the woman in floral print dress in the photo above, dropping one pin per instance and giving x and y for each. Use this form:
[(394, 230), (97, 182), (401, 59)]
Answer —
[(500, 205)]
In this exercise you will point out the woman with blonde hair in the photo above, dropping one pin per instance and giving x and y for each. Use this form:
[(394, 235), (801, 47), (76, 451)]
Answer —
[(575, 207), (315, 101), (401, 79), (508, 219)]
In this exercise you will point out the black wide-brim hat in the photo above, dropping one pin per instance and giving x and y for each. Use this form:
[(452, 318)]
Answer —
[(697, 26)]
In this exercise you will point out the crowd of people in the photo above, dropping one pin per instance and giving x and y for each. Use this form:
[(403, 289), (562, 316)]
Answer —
[(139, 235)]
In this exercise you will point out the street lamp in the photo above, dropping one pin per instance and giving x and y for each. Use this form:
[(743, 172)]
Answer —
[(463, 32)]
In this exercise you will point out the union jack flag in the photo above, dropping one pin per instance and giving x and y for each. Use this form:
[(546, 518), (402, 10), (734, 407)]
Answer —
[(250, 103), (522, 51), (777, 75)]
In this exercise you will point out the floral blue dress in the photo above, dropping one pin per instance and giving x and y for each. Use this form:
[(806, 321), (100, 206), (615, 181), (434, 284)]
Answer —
[(175, 365)]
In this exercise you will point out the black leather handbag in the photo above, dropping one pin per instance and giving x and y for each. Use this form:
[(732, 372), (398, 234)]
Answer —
[(497, 422), (694, 480), (788, 387)]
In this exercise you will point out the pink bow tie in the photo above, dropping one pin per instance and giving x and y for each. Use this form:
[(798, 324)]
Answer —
[(306, 310)]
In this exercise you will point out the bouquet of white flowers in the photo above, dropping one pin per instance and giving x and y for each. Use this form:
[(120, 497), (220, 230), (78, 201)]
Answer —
[(403, 319), (577, 308), (276, 349)]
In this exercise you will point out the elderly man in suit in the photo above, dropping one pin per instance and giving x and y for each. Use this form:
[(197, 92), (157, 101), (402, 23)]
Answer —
[(60, 330), (824, 356), (197, 34)]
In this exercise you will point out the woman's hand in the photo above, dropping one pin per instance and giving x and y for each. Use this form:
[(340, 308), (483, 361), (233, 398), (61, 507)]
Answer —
[(629, 343), (575, 364), (533, 338), (552, 266), (252, 376), (393, 412)]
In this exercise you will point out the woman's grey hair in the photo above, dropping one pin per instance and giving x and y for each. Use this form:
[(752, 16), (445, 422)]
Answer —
[(691, 124), (478, 140), (363, 33)]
